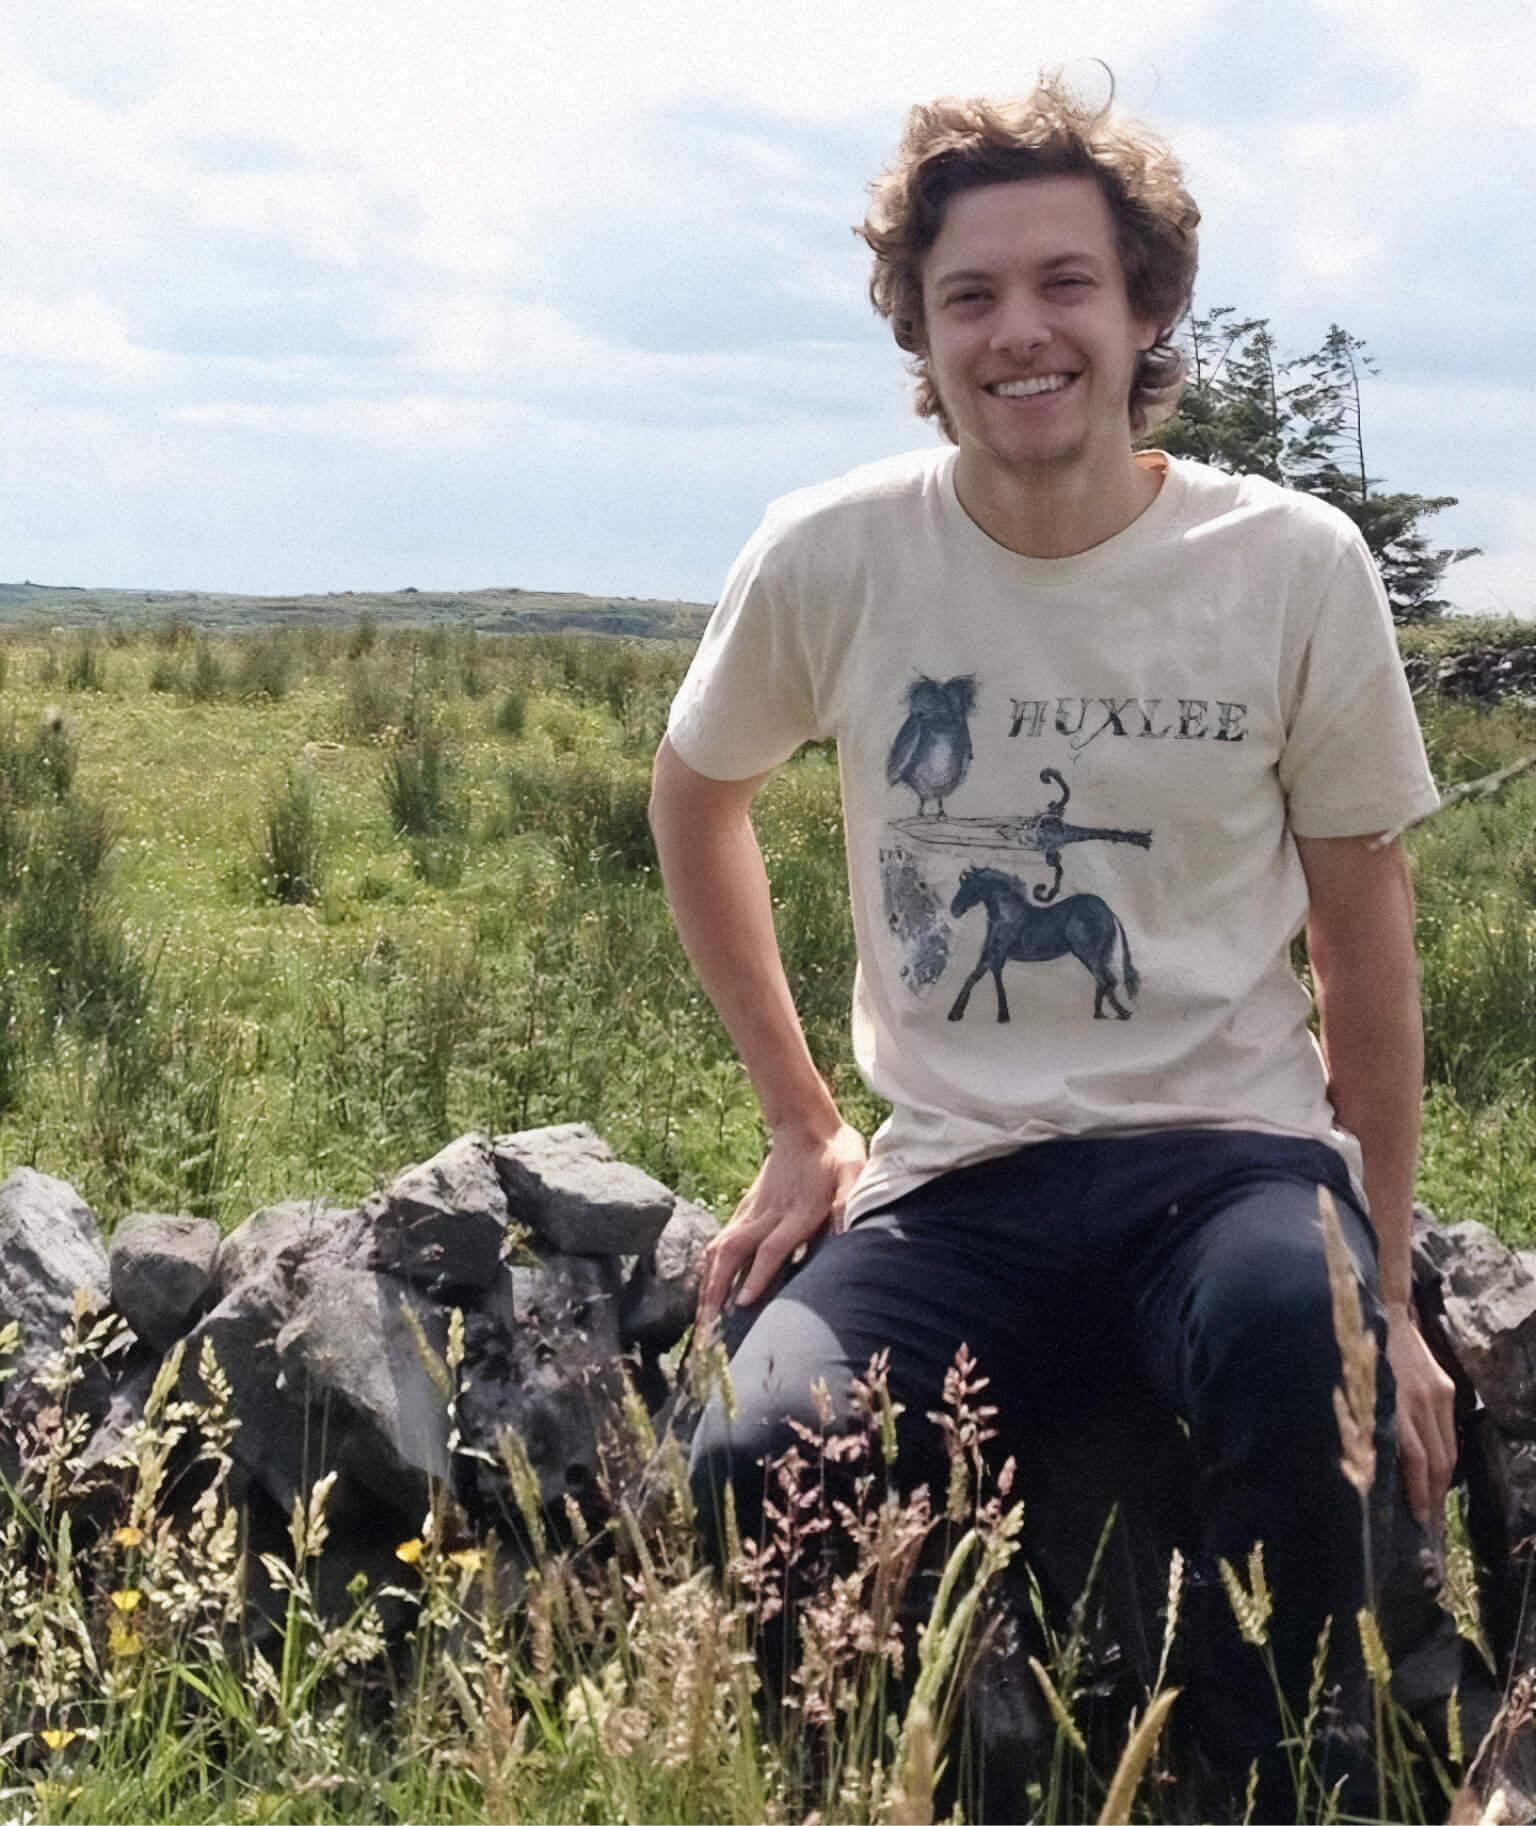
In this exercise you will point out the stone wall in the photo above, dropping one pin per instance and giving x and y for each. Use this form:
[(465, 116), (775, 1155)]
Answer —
[(498, 1304)]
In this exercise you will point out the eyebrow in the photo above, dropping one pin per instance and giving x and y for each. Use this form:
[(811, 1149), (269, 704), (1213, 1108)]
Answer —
[(970, 274)]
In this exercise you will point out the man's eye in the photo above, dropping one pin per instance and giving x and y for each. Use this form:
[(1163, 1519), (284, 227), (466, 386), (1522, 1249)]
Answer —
[(1072, 279)]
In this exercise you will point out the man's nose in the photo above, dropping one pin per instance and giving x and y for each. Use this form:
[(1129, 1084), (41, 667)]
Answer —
[(1020, 325)]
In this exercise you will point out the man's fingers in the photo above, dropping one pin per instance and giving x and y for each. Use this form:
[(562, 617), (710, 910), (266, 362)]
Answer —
[(1445, 1415), (723, 1259), (1415, 1464), (772, 1254)]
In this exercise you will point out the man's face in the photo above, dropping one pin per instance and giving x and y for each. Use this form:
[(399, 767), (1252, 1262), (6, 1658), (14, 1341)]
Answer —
[(1031, 340)]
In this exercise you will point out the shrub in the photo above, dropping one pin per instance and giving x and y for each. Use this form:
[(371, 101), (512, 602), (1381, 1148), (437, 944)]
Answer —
[(174, 633), (512, 712), (372, 701), (415, 781), (87, 670), (165, 674), (361, 636), (266, 668), (594, 806), (207, 680), (291, 848), (39, 765)]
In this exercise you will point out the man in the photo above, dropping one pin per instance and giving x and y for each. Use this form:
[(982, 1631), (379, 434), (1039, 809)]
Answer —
[(1105, 1099)]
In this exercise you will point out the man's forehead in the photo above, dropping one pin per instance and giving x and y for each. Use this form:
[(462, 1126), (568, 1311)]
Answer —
[(1048, 221)]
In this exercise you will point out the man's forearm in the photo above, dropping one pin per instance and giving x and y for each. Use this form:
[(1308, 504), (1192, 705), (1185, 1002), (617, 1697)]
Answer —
[(1360, 935), (717, 886), (1375, 1053)]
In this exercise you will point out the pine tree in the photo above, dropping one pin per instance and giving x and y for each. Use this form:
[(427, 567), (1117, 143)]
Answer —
[(1325, 455), (1301, 422)]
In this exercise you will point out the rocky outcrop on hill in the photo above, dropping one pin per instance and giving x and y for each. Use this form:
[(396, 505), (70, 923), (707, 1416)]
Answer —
[(488, 1315)]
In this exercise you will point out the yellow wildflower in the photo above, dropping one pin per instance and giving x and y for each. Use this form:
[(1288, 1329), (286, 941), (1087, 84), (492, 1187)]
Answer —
[(468, 1559), (128, 1536), (124, 1641), (128, 1600), (411, 1551), (56, 1738)]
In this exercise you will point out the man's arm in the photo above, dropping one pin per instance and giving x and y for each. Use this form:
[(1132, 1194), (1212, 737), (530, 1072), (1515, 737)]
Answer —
[(1360, 937), (716, 883)]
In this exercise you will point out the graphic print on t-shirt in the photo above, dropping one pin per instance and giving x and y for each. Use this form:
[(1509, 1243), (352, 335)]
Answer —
[(931, 756)]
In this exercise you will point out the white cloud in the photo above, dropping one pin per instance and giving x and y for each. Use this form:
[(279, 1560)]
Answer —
[(1471, 61), (371, 230), (322, 214), (82, 331), (420, 425)]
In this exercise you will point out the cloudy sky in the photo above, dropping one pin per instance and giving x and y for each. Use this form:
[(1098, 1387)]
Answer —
[(354, 294)]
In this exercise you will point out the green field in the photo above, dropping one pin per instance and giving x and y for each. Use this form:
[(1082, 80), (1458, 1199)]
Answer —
[(475, 934), (282, 912)]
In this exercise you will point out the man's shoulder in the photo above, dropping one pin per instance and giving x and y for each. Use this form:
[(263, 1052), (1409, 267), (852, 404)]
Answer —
[(863, 496), (1254, 507)]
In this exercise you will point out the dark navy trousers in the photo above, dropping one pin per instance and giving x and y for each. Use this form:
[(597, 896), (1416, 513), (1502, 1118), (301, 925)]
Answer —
[(1189, 1263)]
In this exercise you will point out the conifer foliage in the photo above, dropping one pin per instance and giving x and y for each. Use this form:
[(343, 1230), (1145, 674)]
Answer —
[(1299, 421)]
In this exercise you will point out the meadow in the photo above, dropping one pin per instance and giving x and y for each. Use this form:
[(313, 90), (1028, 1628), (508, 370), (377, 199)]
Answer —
[(283, 912)]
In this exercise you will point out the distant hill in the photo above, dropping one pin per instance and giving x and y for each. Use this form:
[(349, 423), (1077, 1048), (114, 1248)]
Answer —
[(505, 611)]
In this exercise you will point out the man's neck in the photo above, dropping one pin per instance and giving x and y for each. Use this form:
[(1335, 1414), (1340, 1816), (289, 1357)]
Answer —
[(1056, 512)]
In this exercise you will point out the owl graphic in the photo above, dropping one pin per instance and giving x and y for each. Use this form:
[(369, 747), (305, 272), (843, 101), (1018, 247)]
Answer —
[(932, 750)]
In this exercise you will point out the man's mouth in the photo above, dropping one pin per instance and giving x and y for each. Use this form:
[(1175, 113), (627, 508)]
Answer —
[(1026, 389)]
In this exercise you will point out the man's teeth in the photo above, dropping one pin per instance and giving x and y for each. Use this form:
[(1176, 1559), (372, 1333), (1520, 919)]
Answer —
[(1021, 389)]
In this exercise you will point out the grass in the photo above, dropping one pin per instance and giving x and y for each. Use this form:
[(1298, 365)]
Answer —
[(521, 841), (463, 927)]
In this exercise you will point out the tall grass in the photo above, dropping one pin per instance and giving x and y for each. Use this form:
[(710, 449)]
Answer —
[(291, 848)]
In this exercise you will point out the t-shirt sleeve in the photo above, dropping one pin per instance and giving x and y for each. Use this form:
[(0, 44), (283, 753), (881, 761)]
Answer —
[(748, 699), (1353, 761)]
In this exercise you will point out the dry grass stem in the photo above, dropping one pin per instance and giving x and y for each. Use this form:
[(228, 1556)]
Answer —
[(1354, 1404), (911, 1802), (1483, 788), (1065, 1722), (1134, 1758)]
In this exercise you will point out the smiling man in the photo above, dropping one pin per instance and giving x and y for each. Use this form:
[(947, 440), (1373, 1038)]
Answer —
[(1112, 729)]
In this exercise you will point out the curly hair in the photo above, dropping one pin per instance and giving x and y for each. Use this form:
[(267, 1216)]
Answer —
[(955, 145)]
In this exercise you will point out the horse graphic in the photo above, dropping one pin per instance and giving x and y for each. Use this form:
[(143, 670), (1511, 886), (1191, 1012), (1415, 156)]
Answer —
[(1082, 926)]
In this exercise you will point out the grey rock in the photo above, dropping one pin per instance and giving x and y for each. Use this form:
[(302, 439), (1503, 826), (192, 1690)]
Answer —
[(1502, 1525), (162, 1271), (662, 1292), (1489, 1298), (50, 1250), (565, 1185), (325, 1375), (444, 1224), (270, 1442), (551, 1376), (350, 1353), (286, 1234)]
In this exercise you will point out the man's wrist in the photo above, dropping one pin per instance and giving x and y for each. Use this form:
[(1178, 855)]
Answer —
[(817, 1120)]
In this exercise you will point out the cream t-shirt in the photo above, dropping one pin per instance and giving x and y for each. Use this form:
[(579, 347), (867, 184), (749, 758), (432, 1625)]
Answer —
[(1069, 789)]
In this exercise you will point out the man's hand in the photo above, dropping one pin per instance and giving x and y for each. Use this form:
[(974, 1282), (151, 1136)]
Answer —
[(804, 1184), (1426, 1426)]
